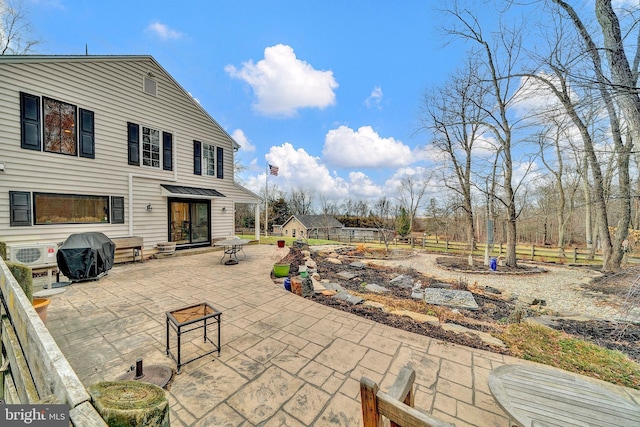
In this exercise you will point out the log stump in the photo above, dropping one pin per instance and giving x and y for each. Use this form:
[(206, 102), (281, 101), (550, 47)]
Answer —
[(130, 403)]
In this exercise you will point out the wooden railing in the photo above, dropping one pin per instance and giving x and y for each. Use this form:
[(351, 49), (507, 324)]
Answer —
[(33, 369), (396, 405)]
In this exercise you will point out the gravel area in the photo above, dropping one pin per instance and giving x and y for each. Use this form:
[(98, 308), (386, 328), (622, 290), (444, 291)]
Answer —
[(560, 287)]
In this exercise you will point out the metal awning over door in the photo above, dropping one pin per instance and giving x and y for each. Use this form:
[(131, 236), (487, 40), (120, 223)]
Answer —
[(181, 191)]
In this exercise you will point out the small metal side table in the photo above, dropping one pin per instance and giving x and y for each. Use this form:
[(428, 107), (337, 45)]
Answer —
[(187, 319)]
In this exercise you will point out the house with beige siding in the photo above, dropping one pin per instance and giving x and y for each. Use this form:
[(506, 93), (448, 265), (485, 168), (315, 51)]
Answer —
[(111, 144), (311, 226)]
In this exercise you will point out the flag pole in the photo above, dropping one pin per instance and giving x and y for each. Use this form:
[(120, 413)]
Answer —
[(266, 199)]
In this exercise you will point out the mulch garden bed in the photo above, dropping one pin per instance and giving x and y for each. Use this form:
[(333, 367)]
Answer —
[(492, 315)]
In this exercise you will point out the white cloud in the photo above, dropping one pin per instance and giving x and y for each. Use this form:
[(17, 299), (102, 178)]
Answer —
[(163, 32), (364, 148), (298, 169), (535, 97), (361, 186), (245, 145), (375, 99), (283, 83), (417, 173)]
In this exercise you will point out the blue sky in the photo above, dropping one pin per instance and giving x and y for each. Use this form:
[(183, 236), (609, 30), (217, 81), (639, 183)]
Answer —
[(329, 91)]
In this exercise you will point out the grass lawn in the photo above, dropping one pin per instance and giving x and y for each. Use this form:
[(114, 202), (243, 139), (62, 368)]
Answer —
[(288, 241)]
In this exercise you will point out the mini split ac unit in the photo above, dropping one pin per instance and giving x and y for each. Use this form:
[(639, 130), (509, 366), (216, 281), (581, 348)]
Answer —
[(34, 255)]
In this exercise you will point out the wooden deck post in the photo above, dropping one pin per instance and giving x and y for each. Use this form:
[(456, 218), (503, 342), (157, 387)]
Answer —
[(368, 392), (396, 405)]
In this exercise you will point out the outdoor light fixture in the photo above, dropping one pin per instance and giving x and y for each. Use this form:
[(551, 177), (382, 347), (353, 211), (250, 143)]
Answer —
[(149, 208), (224, 209)]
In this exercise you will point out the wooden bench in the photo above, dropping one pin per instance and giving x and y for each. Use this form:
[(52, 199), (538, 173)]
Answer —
[(396, 405), (133, 243)]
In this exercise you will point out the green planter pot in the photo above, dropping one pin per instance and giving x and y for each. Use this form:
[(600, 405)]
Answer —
[(281, 270)]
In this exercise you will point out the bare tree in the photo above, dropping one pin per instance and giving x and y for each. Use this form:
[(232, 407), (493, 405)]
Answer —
[(299, 201), (617, 90), (499, 59), (329, 211), (355, 207), (15, 30), (410, 193), (565, 185), (452, 113), (383, 220)]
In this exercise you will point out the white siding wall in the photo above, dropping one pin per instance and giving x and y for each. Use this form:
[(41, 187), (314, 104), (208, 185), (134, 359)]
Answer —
[(112, 89)]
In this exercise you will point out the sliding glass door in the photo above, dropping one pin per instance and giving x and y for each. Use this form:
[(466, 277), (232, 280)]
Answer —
[(189, 222)]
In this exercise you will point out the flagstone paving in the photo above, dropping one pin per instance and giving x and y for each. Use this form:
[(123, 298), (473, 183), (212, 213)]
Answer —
[(285, 360)]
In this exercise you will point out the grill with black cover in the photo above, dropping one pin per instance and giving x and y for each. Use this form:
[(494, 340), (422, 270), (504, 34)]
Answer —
[(86, 256)]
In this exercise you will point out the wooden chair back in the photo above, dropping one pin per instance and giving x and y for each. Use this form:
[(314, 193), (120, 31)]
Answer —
[(396, 404)]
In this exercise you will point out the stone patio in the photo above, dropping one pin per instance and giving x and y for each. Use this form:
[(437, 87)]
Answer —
[(285, 360)]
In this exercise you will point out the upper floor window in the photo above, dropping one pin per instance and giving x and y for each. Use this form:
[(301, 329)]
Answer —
[(59, 127), (156, 149), (150, 147), (209, 159)]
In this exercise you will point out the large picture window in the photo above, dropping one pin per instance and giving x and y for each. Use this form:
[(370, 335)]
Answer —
[(70, 208), (150, 147), (209, 159), (59, 127)]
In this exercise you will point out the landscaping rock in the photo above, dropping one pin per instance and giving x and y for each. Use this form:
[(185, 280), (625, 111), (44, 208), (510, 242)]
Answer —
[(328, 292), (307, 287), (333, 286), (492, 290), (317, 286), (351, 299), (416, 291), (485, 337), (418, 317), (450, 298), (374, 304), (334, 261), (372, 287), (402, 281), (358, 265), (311, 264), (347, 275), (531, 300), (441, 285)]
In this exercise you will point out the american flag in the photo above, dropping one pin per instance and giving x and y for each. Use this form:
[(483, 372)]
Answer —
[(273, 170)]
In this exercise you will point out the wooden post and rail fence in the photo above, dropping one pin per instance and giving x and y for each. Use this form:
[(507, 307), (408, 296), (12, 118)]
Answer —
[(540, 253)]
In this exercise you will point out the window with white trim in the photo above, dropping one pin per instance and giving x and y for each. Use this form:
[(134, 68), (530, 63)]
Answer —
[(208, 159), (150, 147)]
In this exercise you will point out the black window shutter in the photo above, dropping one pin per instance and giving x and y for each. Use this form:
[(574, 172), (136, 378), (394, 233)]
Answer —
[(117, 210), (197, 158), (219, 162), (19, 208), (167, 151), (133, 137), (30, 121), (87, 135)]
